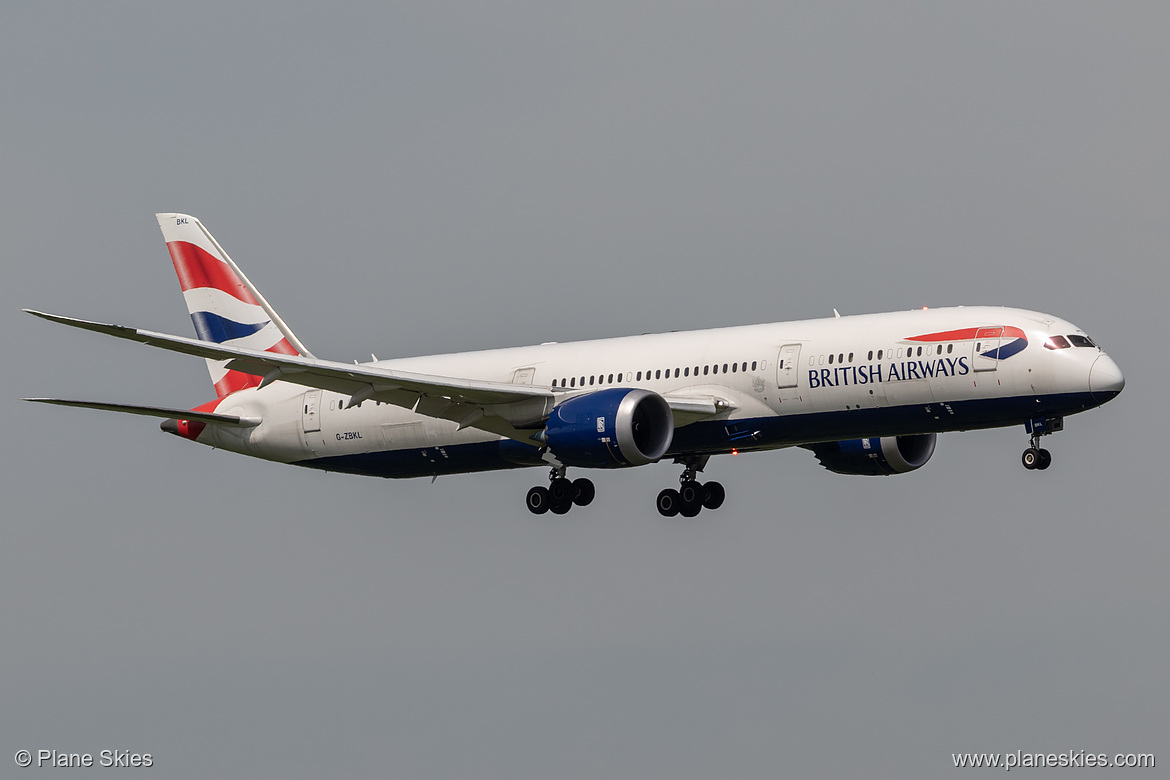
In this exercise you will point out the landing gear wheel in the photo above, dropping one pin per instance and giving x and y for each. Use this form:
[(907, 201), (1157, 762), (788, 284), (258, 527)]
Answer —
[(584, 491), (690, 494), (713, 495), (560, 507), (669, 502), (561, 491), (1030, 458), (538, 500), (1045, 460)]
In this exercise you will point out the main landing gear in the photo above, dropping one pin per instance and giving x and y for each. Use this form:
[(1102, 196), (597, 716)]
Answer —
[(692, 496), (1036, 457), (561, 494)]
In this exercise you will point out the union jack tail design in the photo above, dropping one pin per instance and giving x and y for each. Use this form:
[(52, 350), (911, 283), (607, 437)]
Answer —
[(225, 307)]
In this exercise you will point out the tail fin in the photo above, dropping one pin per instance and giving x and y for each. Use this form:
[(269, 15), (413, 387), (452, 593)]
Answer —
[(225, 307)]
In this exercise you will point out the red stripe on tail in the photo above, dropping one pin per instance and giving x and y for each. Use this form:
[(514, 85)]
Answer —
[(234, 381), (196, 268)]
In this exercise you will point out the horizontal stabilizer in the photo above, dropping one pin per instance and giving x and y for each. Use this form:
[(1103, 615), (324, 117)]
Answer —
[(155, 411)]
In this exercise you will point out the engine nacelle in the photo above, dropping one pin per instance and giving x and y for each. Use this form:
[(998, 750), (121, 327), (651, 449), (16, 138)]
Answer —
[(876, 457), (610, 428)]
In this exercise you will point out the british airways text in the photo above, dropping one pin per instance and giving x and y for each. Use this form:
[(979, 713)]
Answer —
[(893, 372)]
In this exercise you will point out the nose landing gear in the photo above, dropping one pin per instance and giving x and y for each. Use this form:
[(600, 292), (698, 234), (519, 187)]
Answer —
[(561, 494), (1036, 457), (692, 496)]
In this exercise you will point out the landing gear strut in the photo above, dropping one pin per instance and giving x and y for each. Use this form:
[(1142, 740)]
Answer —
[(1036, 457), (692, 496), (561, 493)]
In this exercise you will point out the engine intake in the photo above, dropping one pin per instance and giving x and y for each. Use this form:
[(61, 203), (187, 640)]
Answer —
[(876, 457), (610, 428)]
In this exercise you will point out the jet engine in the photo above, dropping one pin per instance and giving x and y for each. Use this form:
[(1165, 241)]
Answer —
[(610, 428), (876, 457)]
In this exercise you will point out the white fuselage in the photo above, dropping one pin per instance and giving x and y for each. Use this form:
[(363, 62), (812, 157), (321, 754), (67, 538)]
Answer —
[(781, 384)]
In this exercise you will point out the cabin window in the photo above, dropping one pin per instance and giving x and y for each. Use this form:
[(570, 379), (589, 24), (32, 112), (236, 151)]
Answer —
[(658, 374), (706, 369), (639, 376), (733, 367), (696, 370), (573, 382), (753, 365), (687, 371), (841, 358), (1080, 341), (554, 384), (591, 378), (610, 380), (939, 350), (899, 352), (870, 355), (830, 360), (1056, 342), (850, 357), (879, 354), (950, 348), (676, 373)]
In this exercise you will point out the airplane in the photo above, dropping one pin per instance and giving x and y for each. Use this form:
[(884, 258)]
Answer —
[(867, 394)]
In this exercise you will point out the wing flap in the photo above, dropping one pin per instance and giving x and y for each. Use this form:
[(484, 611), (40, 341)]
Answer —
[(692, 408)]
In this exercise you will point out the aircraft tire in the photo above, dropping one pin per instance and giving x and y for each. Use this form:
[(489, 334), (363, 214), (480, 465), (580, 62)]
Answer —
[(561, 490), (538, 501), (1030, 458), (1045, 460), (669, 502), (584, 491), (691, 497), (713, 495), (560, 507)]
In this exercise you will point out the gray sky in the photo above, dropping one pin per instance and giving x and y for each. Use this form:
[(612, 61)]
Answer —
[(410, 178)]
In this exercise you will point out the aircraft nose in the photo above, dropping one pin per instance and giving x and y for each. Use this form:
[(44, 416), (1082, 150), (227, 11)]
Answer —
[(1105, 379)]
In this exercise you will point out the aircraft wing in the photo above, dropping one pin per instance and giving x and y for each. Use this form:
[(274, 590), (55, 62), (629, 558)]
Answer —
[(499, 407), (502, 408), (155, 411)]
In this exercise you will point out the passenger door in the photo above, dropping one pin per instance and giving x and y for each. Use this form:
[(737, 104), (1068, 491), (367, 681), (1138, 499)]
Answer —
[(787, 370), (311, 411), (986, 342)]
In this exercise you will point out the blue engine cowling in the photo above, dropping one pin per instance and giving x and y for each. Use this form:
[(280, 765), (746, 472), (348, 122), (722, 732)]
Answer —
[(876, 457), (610, 428)]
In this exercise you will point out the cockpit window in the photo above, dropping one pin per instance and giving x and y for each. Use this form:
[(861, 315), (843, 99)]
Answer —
[(1056, 342), (1080, 341)]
